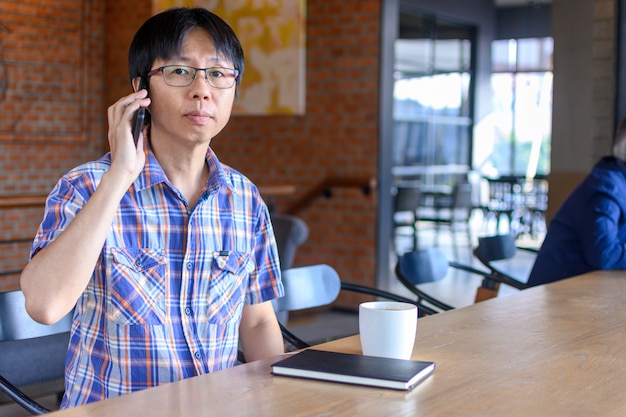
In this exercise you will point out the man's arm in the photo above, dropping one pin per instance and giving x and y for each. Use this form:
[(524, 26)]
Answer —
[(600, 234), (57, 275), (259, 332)]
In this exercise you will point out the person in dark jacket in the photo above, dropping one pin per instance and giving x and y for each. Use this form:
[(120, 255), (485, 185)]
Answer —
[(588, 231)]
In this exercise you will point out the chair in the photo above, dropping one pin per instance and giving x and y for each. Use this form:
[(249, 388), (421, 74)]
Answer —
[(533, 220), (290, 232), (32, 355), (450, 210), (406, 201), (315, 286), (499, 253), (427, 266), (506, 201)]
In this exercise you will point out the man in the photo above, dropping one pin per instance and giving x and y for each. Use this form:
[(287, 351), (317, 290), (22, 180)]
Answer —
[(589, 230), (167, 255)]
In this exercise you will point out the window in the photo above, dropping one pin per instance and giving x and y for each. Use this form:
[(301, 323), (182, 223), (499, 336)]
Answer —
[(432, 93), (514, 140)]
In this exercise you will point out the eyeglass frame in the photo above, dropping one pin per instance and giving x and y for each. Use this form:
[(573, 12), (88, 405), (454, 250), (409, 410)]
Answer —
[(233, 72)]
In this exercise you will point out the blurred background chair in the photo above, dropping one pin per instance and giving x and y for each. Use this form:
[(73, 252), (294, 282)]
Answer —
[(32, 355), (533, 219), (290, 232), (314, 286), (453, 209), (425, 266), (508, 263), (406, 201)]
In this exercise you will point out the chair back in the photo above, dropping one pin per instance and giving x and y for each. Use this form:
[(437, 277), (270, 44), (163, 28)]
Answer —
[(499, 254), (16, 324), (423, 266), (30, 353), (407, 198), (308, 287), (495, 248), (463, 195), (290, 232), (462, 200)]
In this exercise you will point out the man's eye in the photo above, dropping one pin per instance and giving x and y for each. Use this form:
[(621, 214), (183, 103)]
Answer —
[(179, 71), (215, 73)]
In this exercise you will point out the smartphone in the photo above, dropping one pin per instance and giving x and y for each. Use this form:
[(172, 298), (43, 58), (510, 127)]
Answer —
[(140, 115)]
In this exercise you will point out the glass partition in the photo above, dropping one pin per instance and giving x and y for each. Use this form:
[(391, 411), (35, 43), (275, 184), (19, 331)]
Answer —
[(432, 95)]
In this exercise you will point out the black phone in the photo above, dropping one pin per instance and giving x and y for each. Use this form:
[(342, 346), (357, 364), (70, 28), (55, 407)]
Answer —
[(140, 115)]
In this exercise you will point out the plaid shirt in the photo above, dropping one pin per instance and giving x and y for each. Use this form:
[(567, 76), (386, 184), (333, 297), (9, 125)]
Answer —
[(165, 299)]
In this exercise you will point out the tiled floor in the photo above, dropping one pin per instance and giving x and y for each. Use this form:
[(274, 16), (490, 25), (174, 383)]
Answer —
[(458, 289)]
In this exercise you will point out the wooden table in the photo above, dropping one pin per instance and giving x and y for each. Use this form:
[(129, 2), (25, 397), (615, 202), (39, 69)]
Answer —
[(556, 350)]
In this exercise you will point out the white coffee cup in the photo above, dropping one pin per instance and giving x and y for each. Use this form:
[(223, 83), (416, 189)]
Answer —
[(387, 328)]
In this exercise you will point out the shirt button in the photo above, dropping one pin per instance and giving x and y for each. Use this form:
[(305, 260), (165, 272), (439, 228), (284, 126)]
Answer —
[(189, 266), (197, 355), (188, 311), (138, 263)]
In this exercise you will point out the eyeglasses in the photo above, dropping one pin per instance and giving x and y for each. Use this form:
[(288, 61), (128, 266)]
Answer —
[(183, 76)]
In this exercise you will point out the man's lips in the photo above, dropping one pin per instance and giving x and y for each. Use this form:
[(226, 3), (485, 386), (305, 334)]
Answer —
[(200, 117)]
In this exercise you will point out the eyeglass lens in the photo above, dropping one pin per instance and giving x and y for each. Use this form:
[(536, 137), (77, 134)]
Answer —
[(182, 76)]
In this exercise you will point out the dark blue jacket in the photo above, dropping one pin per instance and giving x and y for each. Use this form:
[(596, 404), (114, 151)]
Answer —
[(589, 230)]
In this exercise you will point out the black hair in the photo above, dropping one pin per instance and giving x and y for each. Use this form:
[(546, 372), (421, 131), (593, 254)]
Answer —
[(162, 36)]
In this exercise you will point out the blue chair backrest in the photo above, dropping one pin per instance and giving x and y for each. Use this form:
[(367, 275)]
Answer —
[(16, 324), (495, 248), (308, 287), (424, 265)]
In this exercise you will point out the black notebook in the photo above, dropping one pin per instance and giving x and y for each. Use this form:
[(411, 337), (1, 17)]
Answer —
[(348, 368)]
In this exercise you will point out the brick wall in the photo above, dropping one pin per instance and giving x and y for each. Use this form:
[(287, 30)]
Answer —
[(51, 81), (67, 61)]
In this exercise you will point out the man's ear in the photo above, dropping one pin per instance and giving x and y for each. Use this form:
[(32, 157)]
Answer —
[(136, 84)]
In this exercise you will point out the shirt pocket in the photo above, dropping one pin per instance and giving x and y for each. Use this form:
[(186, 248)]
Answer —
[(137, 282), (228, 286)]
